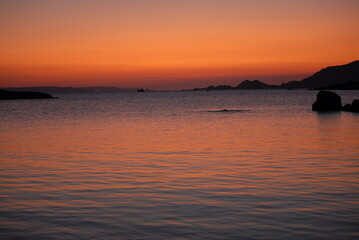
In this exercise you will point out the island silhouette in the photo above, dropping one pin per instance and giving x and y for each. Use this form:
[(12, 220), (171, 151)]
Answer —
[(12, 95), (342, 77)]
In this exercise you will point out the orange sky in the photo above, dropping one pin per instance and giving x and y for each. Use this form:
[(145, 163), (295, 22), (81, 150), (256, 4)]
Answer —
[(164, 44)]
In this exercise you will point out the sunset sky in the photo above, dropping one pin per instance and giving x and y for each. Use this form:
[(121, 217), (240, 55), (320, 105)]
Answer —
[(172, 44)]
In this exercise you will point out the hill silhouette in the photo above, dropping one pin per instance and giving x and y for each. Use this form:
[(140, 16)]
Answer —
[(247, 84), (330, 77), (352, 85), (255, 84), (344, 77)]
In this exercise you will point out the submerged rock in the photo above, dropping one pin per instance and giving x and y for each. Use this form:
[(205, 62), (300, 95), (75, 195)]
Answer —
[(327, 101), (226, 111), (9, 95)]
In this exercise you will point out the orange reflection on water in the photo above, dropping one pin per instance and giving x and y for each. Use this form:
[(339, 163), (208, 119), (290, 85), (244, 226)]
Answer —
[(95, 164)]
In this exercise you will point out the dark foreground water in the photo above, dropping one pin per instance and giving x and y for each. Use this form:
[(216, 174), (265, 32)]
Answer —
[(171, 166)]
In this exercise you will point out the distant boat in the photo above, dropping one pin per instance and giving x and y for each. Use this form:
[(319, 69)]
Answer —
[(141, 90)]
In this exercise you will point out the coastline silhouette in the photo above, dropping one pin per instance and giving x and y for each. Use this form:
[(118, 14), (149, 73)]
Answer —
[(343, 77)]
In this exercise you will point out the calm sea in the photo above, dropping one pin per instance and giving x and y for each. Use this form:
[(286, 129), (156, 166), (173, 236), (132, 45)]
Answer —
[(171, 165)]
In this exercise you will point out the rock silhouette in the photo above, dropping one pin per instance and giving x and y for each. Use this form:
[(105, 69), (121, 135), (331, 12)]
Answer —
[(327, 101), (354, 107), (330, 101), (347, 107), (10, 95)]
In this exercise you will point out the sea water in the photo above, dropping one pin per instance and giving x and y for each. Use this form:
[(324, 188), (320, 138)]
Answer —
[(174, 165)]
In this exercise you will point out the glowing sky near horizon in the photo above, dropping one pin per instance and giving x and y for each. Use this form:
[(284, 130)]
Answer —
[(165, 44)]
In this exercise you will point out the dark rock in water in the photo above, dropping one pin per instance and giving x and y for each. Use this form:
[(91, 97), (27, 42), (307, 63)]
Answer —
[(327, 101), (347, 107), (330, 101), (355, 105), (9, 95)]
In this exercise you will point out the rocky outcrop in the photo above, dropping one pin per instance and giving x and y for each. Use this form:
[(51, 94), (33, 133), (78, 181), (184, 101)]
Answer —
[(330, 101), (327, 101), (10, 95), (354, 107)]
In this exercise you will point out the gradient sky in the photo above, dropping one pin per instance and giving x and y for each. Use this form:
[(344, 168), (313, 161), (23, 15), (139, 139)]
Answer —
[(170, 44)]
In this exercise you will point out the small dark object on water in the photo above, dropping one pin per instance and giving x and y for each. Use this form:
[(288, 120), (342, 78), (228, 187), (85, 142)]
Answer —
[(227, 110), (11, 95), (327, 101)]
